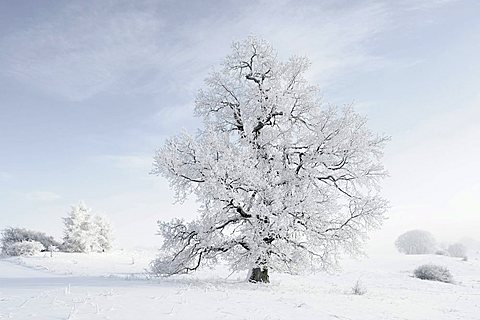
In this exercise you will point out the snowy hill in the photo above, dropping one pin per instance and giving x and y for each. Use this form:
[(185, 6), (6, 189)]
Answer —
[(114, 286)]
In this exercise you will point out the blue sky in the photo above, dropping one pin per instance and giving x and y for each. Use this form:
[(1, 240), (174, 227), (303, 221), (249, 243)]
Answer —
[(91, 88)]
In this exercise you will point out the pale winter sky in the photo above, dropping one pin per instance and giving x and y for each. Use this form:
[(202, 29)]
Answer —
[(89, 89)]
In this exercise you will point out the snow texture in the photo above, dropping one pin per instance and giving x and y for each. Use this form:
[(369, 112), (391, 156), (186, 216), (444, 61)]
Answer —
[(108, 286)]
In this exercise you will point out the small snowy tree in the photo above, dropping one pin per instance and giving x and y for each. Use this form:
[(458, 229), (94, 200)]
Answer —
[(102, 234), (85, 232), (284, 182), (416, 242), (78, 232)]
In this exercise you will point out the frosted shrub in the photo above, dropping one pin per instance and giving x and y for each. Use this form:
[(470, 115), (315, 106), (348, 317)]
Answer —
[(14, 235), (433, 272), (457, 250), (24, 248), (441, 253), (358, 289), (416, 242)]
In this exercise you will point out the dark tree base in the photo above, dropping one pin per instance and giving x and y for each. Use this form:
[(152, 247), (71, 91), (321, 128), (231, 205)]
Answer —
[(259, 275)]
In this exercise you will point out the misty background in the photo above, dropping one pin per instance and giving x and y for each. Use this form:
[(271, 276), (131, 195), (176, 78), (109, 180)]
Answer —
[(90, 89)]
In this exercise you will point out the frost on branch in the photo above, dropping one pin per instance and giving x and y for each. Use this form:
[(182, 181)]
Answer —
[(284, 182)]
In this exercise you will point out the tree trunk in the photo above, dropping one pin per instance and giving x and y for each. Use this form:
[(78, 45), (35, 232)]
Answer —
[(259, 275)]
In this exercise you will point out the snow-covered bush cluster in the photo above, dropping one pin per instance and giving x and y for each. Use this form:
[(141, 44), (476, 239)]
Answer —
[(23, 248), (416, 242), (13, 237), (433, 272), (83, 233), (86, 233)]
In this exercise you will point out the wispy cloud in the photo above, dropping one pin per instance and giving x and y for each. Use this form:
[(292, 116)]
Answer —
[(85, 49), (137, 162), (43, 196)]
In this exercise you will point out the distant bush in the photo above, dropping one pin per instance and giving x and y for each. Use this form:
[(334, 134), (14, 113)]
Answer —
[(441, 253), (433, 272), (24, 248), (11, 236), (416, 242), (457, 250), (358, 289)]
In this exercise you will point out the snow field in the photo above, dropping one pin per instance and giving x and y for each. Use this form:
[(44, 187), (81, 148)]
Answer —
[(110, 286)]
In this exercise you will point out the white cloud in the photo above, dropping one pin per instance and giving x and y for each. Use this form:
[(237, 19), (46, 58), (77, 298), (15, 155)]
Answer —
[(43, 196)]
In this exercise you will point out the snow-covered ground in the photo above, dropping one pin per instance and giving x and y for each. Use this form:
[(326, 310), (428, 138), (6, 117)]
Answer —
[(114, 286)]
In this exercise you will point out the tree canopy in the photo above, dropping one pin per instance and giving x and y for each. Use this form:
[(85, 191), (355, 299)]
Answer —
[(284, 181)]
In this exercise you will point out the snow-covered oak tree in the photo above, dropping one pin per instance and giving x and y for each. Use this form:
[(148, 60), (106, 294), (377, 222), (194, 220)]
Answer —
[(284, 182)]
